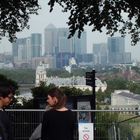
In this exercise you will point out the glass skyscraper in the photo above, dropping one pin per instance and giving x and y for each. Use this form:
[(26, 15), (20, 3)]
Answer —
[(116, 50)]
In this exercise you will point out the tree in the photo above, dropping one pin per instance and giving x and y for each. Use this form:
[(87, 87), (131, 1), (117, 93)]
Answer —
[(4, 81), (102, 13), (99, 14), (14, 16)]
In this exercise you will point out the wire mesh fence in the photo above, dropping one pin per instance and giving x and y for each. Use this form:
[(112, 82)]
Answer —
[(108, 124)]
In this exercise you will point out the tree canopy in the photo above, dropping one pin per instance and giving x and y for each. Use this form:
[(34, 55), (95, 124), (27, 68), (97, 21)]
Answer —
[(114, 15), (14, 16), (103, 13)]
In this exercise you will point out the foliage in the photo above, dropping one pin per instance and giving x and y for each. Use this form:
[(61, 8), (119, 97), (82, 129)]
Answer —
[(14, 16), (20, 75), (41, 91), (28, 75), (58, 72), (137, 137), (72, 91), (125, 131), (116, 84), (102, 14), (7, 82), (114, 15), (100, 97), (104, 122), (133, 87)]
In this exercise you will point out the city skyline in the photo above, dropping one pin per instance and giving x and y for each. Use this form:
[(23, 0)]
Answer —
[(39, 22)]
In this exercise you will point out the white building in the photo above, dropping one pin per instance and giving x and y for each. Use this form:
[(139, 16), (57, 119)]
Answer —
[(40, 74), (77, 82), (124, 100)]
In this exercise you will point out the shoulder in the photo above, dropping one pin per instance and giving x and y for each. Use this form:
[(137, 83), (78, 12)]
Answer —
[(48, 112)]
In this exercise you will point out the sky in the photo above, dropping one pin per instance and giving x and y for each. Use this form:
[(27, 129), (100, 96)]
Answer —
[(39, 22)]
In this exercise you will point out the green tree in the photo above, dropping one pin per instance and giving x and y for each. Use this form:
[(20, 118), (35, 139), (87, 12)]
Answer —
[(102, 14), (20, 75), (98, 14), (104, 121), (133, 87), (8, 82), (116, 83), (14, 16)]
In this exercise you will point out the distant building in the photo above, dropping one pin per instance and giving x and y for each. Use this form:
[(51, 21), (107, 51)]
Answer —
[(77, 82), (50, 39), (24, 49), (40, 74), (36, 45), (100, 54), (49, 61), (116, 51), (58, 45), (125, 100), (6, 66)]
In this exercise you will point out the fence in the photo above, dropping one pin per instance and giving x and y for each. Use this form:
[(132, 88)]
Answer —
[(108, 124)]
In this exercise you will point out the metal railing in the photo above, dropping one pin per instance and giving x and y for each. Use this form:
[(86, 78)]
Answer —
[(108, 124)]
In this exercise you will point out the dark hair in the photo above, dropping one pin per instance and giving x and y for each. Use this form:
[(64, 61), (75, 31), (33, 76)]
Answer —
[(5, 91), (61, 97)]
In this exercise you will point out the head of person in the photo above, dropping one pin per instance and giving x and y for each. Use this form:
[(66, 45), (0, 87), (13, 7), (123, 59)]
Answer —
[(56, 98), (6, 95)]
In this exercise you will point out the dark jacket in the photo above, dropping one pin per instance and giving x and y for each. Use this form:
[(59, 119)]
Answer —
[(5, 126)]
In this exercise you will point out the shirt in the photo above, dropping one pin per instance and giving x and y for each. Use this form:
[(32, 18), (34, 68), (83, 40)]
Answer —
[(58, 125), (5, 126)]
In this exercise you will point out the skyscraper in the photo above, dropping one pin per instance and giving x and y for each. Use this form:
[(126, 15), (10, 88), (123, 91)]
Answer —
[(36, 44), (58, 45), (56, 41), (80, 44), (19, 49), (100, 54), (116, 50), (50, 39)]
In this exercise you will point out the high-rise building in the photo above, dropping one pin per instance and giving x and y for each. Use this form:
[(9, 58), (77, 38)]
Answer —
[(100, 54), (127, 58), (65, 45), (58, 44), (50, 39), (36, 44), (24, 49), (19, 49), (116, 50), (80, 44)]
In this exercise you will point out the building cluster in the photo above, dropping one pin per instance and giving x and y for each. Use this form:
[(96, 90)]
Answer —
[(77, 82), (58, 49), (112, 52), (55, 49)]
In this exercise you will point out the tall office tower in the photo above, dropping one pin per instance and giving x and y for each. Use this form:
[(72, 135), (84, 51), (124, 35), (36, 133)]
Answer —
[(36, 44), (58, 44), (65, 45), (76, 47), (65, 49), (28, 49), (80, 44), (116, 50), (19, 49), (50, 39), (127, 57), (100, 54)]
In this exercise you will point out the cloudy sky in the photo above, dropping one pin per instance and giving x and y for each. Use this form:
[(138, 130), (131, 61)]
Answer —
[(39, 22)]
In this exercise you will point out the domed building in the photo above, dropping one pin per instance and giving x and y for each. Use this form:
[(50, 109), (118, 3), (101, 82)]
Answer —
[(41, 75)]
